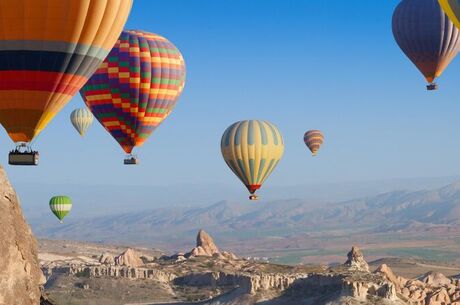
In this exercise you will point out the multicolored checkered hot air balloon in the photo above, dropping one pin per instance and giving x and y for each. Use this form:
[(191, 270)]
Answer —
[(426, 36), (452, 9), (60, 206), (252, 150), (48, 50), (136, 88), (313, 139)]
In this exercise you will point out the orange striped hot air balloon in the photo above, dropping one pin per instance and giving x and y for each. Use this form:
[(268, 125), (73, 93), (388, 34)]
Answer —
[(48, 51), (313, 139)]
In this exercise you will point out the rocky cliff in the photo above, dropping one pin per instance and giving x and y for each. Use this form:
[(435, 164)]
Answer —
[(20, 275), (431, 289)]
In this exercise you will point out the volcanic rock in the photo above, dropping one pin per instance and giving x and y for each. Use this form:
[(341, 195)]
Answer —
[(129, 258), (205, 246), (356, 260), (20, 274), (435, 279), (386, 271), (107, 259)]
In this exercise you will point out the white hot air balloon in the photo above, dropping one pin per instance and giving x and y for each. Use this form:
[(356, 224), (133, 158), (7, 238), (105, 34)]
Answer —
[(81, 119)]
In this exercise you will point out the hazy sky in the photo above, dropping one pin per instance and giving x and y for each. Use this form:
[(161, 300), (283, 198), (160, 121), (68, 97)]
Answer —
[(329, 65)]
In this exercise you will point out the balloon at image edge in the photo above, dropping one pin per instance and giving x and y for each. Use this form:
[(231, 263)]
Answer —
[(47, 56), (313, 139), (136, 87), (81, 119), (427, 37), (252, 150), (452, 10), (60, 206)]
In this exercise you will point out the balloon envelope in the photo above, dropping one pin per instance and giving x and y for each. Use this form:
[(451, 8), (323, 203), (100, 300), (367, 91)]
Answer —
[(252, 150), (313, 139), (452, 9), (48, 50), (60, 206), (426, 36), (136, 87), (81, 119)]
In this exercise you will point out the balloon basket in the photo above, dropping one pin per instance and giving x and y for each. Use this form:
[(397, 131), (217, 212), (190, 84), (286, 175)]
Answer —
[(253, 197), (131, 160), (23, 155), (432, 86)]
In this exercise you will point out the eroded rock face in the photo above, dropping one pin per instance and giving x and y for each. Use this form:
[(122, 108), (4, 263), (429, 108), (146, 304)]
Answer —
[(20, 274), (356, 260), (431, 289), (436, 279), (129, 258), (386, 271), (107, 259), (205, 246)]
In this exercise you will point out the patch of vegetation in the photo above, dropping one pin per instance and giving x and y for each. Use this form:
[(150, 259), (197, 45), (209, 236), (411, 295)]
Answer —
[(422, 253)]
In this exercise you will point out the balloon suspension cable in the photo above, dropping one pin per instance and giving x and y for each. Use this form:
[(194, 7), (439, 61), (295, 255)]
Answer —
[(131, 159), (432, 86), (23, 154), (23, 147)]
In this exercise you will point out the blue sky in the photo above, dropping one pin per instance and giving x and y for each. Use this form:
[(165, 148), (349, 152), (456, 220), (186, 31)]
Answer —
[(329, 65)]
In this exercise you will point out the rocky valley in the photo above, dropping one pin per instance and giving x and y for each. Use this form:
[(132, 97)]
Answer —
[(96, 274)]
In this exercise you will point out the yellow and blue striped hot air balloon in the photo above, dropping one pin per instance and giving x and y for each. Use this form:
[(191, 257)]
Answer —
[(81, 119), (452, 9), (252, 149)]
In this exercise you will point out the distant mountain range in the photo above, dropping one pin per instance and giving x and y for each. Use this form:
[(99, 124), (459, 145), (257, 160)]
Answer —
[(402, 211)]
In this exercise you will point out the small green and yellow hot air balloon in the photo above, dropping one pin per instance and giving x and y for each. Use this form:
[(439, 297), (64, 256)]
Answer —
[(60, 206), (252, 149), (81, 119), (313, 139)]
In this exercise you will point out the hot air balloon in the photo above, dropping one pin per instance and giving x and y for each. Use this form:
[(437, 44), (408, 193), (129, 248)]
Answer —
[(48, 50), (452, 9), (136, 88), (252, 149), (60, 206), (426, 36), (81, 119), (313, 139)]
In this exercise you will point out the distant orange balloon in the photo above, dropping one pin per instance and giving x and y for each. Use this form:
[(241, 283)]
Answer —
[(313, 139)]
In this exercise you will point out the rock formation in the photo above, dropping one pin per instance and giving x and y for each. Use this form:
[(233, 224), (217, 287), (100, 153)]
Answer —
[(386, 271), (107, 259), (205, 246), (129, 258), (431, 289), (356, 260), (20, 275)]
